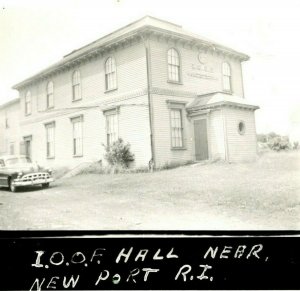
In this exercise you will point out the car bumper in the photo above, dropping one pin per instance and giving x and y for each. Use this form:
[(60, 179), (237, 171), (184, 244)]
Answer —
[(19, 182)]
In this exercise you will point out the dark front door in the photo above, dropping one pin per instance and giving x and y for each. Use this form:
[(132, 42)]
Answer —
[(201, 142)]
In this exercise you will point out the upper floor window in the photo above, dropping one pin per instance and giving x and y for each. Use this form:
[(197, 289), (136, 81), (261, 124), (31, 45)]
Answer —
[(28, 103), (110, 74), (50, 96), (173, 65), (76, 89), (226, 71)]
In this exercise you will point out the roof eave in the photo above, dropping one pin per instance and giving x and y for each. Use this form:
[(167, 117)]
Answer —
[(223, 103), (146, 28), (16, 100)]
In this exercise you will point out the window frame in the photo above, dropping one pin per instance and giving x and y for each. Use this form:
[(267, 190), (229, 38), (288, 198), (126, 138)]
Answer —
[(75, 120), (50, 94), (74, 85), (6, 122), (108, 74), (226, 67), (177, 106), (49, 125), (108, 114), (243, 130), (12, 146), (179, 81), (28, 103)]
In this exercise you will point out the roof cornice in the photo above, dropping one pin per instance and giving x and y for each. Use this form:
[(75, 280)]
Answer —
[(223, 103), (117, 38)]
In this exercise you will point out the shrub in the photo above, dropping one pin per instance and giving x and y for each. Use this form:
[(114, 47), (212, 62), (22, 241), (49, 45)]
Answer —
[(118, 154), (279, 143), (295, 145)]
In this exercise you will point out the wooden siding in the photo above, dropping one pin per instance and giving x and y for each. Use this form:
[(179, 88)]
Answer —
[(131, 75), (216, 135), (133, 128), (132, 100), (190, 66), (10, 135), (162, 132), (133, 119), (240, 147)]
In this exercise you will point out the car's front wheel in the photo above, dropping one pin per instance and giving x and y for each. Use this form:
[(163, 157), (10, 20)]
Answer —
[(12, 187), (45, 185)]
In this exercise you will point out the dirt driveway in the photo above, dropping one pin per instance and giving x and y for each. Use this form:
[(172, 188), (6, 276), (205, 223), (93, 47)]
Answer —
[(263, 195)]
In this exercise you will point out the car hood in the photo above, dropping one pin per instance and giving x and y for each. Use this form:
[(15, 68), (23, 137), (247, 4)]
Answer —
[(25, 168)]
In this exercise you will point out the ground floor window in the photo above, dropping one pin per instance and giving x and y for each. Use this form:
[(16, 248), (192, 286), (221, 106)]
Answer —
[(77, 136), (27, 145), (12, 148), (111, 128), (176, 128), (50, 139)]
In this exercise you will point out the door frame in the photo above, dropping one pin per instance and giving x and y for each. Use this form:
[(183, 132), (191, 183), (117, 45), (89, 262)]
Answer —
[(200, 117)]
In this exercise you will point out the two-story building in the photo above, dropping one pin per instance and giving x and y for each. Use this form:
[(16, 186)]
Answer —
[(174, 96)]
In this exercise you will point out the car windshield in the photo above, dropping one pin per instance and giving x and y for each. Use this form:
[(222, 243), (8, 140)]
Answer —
[(19, 160)]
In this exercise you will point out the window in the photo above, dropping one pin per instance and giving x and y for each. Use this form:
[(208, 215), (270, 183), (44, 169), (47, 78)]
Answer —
[(76, 89), (6, 122), (226, 77), (110, 74), (111, 127), (241, 128), (173, 65), (12, 148), (77, 136), (50, 98), (176, 128), (50, 139), (28, 103)]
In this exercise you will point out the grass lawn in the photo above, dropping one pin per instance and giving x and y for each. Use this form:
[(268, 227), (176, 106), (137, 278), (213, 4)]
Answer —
[(260, 195)]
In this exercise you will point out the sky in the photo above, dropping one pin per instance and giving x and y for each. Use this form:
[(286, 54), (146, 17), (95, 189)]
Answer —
[(36, 34)]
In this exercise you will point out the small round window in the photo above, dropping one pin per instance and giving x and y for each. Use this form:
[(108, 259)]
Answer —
[(241, 127)]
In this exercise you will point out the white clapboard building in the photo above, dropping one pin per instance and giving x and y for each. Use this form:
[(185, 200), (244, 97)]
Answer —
[(174, 96), (10, 136)]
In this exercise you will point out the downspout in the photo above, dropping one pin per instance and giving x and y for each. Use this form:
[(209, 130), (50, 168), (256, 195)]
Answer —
[(152, 161)]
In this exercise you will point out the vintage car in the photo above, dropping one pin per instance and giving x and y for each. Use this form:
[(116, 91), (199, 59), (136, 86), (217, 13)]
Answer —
[(18, 170)]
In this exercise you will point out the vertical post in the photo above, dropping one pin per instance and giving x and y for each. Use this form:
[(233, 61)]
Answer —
[(152, 161)]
